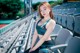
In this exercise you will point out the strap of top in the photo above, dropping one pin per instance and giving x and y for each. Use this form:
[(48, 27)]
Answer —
[(45, 23), (39, 21)]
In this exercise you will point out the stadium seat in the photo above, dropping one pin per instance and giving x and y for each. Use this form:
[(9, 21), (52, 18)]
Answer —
[(56, 30), (64, 20), (59, 19), (62, 39), (72, 47), (70, 20), (77, 24)]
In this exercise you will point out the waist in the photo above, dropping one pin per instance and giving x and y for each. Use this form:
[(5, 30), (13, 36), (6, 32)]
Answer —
[(48, 39)]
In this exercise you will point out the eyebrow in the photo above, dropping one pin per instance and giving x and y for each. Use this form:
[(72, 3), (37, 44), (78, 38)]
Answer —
[(44, 7)]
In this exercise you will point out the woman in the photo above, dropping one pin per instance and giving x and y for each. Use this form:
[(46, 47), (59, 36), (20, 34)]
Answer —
[(44, 27)]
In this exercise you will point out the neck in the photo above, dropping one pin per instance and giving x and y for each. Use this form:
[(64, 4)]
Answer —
[(46, 17)]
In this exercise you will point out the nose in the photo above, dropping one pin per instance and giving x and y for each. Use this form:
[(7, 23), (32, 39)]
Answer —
[(43, 11)]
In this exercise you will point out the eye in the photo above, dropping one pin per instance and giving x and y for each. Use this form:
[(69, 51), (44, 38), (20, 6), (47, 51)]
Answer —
[(44, 8)]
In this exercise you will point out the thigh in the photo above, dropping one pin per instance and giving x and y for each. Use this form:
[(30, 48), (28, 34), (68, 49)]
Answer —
[(47, 44)]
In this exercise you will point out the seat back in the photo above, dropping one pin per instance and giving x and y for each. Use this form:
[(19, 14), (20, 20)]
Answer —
[(73, 46), (64, 18), (70, 22), (77, 24), (59, 19), (57, 29), (63, 36)]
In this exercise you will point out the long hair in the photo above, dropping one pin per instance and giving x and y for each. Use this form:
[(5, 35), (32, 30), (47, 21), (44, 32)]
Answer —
[(48, 5)]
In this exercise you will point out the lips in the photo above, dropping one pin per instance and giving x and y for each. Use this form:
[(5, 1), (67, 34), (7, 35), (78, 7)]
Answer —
[(43, 14)]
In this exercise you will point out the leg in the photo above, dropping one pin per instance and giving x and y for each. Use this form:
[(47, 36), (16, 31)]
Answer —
[(45, 46)]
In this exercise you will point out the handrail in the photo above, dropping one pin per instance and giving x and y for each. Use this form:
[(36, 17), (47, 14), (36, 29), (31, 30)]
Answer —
[(17, 22), (11, 36), (7, 26), (27, 40)]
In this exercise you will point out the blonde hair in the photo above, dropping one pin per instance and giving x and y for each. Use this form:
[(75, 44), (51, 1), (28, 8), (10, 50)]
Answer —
[(48, 5)]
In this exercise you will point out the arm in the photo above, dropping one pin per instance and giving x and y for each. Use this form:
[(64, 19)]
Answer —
[(34, 38), (50, 28), (35, 35)]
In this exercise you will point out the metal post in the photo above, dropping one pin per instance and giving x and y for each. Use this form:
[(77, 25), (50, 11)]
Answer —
[(29, 6), (25, 7)]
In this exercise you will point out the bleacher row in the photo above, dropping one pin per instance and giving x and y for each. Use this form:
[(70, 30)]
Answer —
[(68, 15), (17, 38)]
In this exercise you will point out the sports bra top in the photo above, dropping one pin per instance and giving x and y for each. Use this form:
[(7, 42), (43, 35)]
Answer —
[(41, 29)]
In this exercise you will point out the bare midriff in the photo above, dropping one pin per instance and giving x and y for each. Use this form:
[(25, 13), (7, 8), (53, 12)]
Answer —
[(40, 36)]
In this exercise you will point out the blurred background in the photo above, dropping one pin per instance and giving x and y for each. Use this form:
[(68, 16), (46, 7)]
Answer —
[(10, 10)]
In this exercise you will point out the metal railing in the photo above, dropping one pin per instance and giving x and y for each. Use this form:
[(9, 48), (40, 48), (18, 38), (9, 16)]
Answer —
[(17, 38)]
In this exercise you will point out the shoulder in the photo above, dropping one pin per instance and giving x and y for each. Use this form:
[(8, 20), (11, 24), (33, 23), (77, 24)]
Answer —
[(51, 23), (38, 20)]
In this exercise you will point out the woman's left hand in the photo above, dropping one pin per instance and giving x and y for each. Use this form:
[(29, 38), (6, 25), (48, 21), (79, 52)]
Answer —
[(31, 50)]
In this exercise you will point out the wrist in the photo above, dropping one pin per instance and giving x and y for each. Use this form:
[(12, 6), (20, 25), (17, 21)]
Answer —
[(33, 48)]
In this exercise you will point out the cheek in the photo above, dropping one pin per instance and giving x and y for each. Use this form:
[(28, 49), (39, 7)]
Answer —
[(47, 12), (42, 13)]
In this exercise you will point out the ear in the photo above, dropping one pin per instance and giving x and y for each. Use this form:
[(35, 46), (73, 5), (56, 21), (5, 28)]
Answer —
[(49, 10)]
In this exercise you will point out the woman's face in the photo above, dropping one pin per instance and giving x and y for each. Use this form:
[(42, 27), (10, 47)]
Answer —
[(44, 10)]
